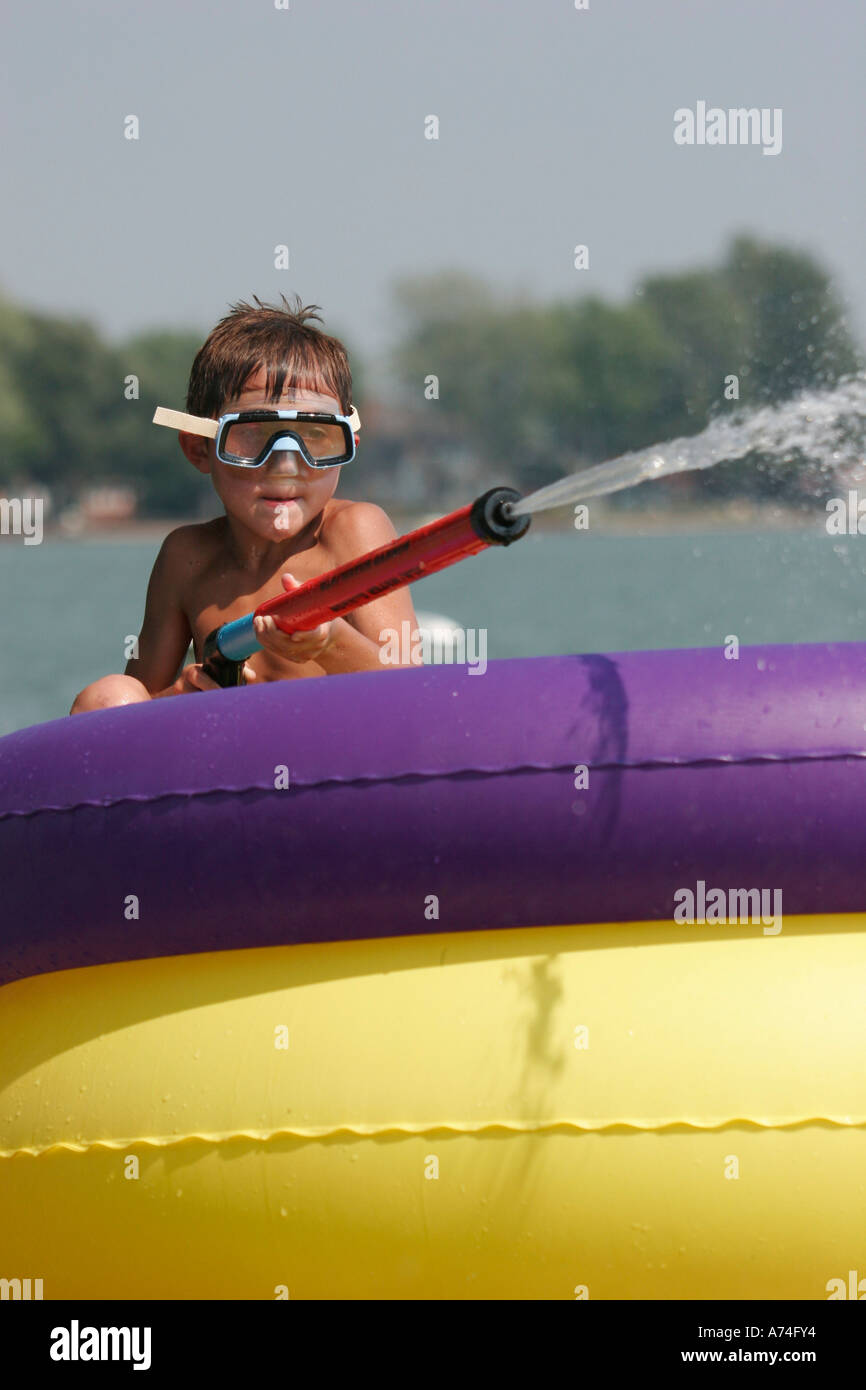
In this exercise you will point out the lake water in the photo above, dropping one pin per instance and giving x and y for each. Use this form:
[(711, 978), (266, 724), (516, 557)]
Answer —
[(67, 605)]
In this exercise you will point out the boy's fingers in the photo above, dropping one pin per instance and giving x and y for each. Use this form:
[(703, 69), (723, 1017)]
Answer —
[(204, 682), (290, 582), (315, 636), (266, 627), (195, 678), (249, 674)]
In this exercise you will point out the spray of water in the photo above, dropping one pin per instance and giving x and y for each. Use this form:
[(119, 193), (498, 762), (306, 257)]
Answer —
[(826, 427)]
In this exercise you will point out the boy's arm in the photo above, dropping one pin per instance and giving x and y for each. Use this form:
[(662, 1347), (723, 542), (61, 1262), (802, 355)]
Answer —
[(357, 641), (165, 633)]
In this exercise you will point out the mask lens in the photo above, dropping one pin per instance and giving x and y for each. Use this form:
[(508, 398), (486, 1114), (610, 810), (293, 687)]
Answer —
[(244, 440), (323, 439)]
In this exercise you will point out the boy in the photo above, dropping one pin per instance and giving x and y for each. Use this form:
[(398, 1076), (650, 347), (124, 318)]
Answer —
[(282, 523)]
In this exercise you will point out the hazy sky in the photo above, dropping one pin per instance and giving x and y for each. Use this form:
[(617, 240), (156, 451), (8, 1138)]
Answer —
[(305, 126)]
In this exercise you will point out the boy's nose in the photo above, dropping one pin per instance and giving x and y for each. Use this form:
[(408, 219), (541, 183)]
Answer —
[(286, 446)]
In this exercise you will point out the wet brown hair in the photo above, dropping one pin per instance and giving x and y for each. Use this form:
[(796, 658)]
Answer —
[(280, 339)]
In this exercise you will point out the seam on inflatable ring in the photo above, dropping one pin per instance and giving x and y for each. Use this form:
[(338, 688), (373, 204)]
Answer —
[(644, 765), (360, 1131)]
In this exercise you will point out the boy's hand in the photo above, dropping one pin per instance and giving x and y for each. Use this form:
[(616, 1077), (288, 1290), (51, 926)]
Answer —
[(294, 646), (192, 679)]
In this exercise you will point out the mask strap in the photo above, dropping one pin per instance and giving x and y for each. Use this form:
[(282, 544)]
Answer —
[(190, 424), (198, 424)]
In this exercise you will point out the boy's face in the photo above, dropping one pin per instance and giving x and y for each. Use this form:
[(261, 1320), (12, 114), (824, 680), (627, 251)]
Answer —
[(277, 500)]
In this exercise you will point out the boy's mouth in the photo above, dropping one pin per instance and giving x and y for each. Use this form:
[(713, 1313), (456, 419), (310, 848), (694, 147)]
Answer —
[(278, 501)]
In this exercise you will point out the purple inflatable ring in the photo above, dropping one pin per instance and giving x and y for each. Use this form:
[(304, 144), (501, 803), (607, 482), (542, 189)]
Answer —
[(330, 809)]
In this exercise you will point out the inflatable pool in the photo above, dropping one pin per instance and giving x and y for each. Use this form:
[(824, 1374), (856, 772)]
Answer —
[(385, 986)]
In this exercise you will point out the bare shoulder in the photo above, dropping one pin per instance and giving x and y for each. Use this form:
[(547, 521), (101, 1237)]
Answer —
[(358, 526), (188, 548)]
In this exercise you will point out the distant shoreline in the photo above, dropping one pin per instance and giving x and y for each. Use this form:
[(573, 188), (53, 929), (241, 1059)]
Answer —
[(603, 520)]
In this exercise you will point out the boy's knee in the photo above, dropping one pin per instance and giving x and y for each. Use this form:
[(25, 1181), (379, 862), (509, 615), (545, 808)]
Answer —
[(109, 692)]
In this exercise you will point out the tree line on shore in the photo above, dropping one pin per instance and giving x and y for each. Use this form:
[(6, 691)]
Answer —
[(493, 390)]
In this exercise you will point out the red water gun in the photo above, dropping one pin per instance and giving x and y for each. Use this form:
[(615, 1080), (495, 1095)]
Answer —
[(485, 522)]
